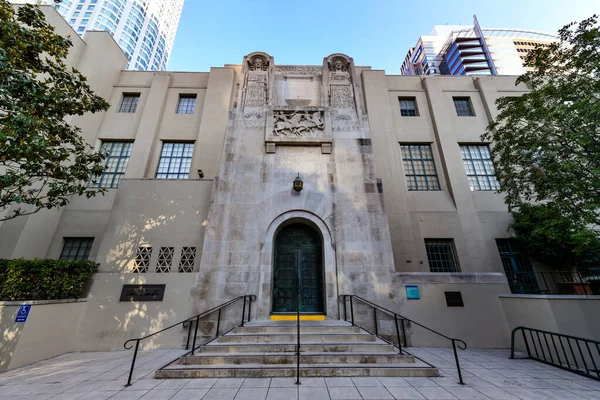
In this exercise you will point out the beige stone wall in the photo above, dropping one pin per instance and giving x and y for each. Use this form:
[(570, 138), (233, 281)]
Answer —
[(48, 332), (569, 315)]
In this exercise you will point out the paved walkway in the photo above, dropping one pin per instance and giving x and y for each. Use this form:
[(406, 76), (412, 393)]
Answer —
[(98, 376)]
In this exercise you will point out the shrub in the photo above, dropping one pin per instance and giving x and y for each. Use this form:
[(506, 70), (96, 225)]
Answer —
[(41, 279)]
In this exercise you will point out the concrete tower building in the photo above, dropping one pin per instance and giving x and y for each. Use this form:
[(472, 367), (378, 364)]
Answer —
[(145, 29)]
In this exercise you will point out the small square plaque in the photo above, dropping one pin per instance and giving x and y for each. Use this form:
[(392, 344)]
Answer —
[(412, 292)]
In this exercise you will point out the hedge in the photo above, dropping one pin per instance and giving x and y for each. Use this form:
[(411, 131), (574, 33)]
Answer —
[(41, 279)]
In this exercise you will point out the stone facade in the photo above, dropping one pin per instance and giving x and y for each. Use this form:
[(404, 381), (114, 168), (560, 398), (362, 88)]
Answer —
[(255, 127)]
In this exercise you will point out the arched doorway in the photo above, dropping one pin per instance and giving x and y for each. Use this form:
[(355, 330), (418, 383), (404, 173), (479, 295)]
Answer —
[(298, 261)]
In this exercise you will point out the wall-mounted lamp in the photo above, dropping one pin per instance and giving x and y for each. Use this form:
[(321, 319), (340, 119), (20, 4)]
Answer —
[(200, 174), (298, 184)]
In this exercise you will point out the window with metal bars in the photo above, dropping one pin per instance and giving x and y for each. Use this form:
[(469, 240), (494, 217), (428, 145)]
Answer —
[(187, 104), (76, 248), (419, 167), (479, 167), (441, 255), (117, 158), (129, 102), (142, 259), (187, 260), (463, 106), (408, 107), (175, 160)]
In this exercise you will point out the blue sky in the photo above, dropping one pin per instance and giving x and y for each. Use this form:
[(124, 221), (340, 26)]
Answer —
[(376, 33)]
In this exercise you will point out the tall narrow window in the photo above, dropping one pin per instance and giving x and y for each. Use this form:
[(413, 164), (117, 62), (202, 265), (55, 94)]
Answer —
[(441, 255), (517, 267), (76, 248), (419, 167), (165, 259), (187, 260), (479, 167), (129, 102), (175, 160), (408, 107), (117, 158), (463, 106), (187, 104), (142, 260)]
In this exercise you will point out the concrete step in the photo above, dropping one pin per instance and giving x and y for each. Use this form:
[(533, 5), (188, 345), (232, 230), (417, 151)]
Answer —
[(290, 358), (288, 347), (291, 338), (304, 330), (327, 323), (306, 370)]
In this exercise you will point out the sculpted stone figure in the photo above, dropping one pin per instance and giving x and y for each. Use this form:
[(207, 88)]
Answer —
[(258, 63), (339, 70), (297, 123)]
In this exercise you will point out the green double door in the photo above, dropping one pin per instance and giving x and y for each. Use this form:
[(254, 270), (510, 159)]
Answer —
[(298, 267)]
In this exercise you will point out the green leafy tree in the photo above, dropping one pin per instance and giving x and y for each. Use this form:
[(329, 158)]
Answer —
[(44, 161), (547, 141), (557, 241)]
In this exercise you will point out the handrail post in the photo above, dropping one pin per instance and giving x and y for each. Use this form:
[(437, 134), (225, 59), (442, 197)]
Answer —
[(195, 334), (397, 333), (375, 320), (351, 311), (137, 344), (187, 341), (345, 313), (297, 329), (249, 308), (243, 310), (512, 344), (218, 323), (403, 332), (460, 379)]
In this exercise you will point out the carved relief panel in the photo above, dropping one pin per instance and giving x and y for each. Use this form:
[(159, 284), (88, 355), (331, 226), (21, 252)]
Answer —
[(257, 82), (341, 94)]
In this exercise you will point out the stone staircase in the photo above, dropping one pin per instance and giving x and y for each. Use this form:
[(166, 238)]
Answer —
[(268, 349)]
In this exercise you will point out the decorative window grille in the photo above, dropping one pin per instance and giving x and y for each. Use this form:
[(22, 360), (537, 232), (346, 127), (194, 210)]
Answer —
[(76, 248), (175, 160), (479, 167), (142, 259), (419, 167), (129, 102), (165, 259), (117, 158), (187, 104), (408, 107), (188, 259), (441, 255), (463, 106)]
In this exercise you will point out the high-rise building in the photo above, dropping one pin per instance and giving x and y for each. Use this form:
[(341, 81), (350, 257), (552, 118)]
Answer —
[(472, 50), (145, 29)]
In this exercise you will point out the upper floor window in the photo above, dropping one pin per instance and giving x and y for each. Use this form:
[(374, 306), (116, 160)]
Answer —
[(175, 160), (87, 14), (75, 14), (419, 167), (187, 104), (463, 106), (408, 107), (129, 102), (117, 158), (479, 167), (81, 29), (76, 248), (91, 7), (441, 255), (78, 7)]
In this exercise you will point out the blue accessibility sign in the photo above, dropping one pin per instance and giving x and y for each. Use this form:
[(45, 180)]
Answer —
[(23, 313)]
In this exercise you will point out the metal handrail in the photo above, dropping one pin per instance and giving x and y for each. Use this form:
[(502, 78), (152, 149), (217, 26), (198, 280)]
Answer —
[(397, 317), (591, 371), (196, 318)]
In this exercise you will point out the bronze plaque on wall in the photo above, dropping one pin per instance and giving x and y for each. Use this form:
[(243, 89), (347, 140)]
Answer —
[(142, 292)]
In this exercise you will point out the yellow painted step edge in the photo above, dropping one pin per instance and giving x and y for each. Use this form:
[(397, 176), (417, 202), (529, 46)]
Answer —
[(293, 317)]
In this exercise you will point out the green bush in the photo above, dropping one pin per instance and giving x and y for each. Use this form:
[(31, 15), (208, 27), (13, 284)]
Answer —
[(40, 279)]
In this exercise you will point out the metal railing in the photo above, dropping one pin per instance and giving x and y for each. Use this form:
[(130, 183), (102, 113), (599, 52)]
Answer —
[(195, 322), (567, 352), (555, 282), (395, 318)]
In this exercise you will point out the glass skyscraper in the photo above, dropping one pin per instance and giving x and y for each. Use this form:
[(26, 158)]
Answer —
[(145, 29), (471, 50)]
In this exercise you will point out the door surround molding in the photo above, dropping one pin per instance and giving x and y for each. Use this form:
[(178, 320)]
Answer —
[(267, 259)]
